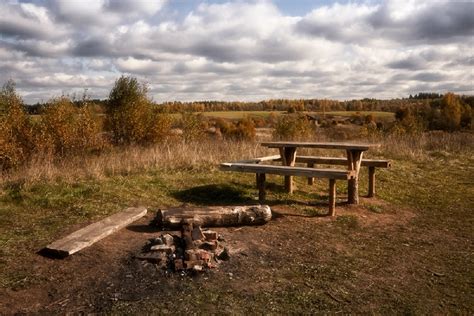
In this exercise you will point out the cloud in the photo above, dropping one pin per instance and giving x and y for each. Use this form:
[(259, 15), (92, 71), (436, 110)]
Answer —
[(411, 22), (245, 50)]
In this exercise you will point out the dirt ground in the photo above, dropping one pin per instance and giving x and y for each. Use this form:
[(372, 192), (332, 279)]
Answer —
[(361, 261)]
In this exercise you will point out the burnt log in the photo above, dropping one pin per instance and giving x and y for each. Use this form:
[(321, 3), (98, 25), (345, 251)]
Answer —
[(214, 216)]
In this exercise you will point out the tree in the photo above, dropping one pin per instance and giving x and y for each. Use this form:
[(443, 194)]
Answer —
[(451, 112), (130, 115), (16, 136)]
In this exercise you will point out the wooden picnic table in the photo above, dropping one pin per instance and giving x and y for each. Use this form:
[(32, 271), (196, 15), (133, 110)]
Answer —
[(354, 153)]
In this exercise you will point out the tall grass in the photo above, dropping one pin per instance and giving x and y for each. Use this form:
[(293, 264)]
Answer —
[(206, 154), (172, 154)]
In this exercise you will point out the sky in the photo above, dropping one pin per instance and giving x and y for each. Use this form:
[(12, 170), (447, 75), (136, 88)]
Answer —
[(189, 50)]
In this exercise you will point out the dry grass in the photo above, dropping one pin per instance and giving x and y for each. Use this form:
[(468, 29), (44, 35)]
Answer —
[(205, 154), (208, 153)]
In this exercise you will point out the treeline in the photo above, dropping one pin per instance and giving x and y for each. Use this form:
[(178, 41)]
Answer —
[(69, 126), (295, 105), (78, 127), (449, 113)]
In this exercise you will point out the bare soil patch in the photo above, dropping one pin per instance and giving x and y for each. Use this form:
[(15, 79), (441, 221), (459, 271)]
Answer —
[(369, 258)]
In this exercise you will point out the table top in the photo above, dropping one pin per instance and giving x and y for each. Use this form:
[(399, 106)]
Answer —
[(328, 145)]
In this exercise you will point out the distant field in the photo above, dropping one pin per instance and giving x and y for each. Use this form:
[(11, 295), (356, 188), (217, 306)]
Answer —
[(234, 115), (264, 114)]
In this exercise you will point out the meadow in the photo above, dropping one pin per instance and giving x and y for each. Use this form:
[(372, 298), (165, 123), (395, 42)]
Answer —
[(407, 251)]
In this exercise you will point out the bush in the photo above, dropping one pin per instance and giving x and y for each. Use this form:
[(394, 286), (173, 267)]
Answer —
[(242, 130), (293, 127), (130, 116), (66, 129), (16, 134), (193, 126)]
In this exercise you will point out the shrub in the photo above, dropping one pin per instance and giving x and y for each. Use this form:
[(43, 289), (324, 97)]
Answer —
[(65, 128), (16, 135), (242, 130), (293, 127), (130, 116), (193, 126)]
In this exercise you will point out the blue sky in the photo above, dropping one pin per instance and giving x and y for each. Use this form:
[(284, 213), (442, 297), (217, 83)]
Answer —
[(238, 50)]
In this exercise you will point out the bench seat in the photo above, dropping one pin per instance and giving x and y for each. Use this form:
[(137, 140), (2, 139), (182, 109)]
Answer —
[(289, 171), (262, 170), (379, 163), (311, 161)]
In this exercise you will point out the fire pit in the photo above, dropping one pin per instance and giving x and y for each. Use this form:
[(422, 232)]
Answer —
[(194, 250)]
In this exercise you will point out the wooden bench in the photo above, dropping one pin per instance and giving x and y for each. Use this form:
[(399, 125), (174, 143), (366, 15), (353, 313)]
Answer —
[(311, 161), (262, 170)]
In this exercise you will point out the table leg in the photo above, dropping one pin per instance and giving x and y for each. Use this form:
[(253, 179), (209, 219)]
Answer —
[(310, 179), (288, 158), (354, 159)]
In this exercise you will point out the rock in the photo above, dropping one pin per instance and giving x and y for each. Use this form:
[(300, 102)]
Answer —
[(190, 255), (211, 246), (178, 264), (197, 233), (188, 264), (167, 239), (224, 254), (204, 255), (197, 268), (186, 234), (210, 235), (163, 248), (156, 241)]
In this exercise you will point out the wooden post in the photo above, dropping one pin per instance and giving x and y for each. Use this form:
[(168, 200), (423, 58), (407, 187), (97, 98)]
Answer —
[(288, 157), (310, 179), (261, 187), (371, 182), (354, 159), (332, 197)]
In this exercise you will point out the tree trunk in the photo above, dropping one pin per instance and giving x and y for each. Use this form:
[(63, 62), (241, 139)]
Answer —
[(215, 216)]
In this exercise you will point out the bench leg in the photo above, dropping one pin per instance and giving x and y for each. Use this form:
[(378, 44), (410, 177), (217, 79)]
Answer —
[(288, 157), (310, 179), (261, 187), (371, 182), (332, 197)]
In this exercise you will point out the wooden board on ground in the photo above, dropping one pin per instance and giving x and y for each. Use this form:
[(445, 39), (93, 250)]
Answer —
[(90, 234)]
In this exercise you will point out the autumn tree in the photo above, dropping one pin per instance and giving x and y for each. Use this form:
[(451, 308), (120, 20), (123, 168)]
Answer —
[(451, 112), (130, 116), (16, 135)]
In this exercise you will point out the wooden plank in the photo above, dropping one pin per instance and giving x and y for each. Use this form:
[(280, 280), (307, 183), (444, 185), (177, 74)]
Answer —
[(379, 163), (289, 171), (90, 234), (260, 159), (327, 145)]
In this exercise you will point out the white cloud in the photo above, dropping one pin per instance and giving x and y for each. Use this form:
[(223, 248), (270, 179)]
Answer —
[(238, 50)]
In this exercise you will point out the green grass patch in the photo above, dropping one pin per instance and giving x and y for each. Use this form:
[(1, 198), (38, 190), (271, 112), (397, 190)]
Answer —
[(237, 115)]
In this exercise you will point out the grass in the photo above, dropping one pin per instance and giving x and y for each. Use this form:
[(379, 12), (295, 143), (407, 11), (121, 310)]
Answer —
[(237, 115), (334, 265), (234, 115)]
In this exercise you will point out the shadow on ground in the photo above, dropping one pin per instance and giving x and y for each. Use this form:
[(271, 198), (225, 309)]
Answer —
[(213, 194)]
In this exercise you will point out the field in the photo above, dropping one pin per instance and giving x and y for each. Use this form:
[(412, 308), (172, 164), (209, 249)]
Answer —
[(264, 114), (407, 251)]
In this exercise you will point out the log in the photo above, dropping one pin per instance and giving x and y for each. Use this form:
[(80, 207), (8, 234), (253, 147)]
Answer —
[(90, 234), (215, 216)]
